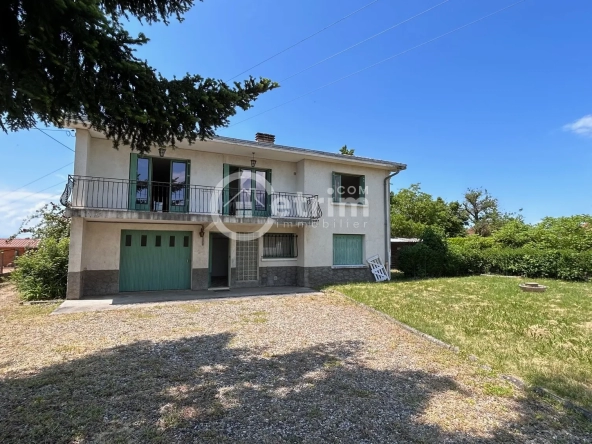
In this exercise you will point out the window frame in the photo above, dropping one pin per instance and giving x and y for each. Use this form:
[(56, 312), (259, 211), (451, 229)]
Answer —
[(337, 263), (336, 185), (293, 249)]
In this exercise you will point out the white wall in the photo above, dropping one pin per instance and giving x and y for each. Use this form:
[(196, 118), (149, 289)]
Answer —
[(340, 218), (102, 241), (206, 168), (307, 176)]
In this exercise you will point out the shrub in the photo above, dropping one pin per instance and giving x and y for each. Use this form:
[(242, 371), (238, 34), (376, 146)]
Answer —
[(468, 256), (473, 242), (42, 273), (559, 264), (427, 258)]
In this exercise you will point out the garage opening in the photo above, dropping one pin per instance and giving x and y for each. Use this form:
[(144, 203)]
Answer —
[(155, 260)]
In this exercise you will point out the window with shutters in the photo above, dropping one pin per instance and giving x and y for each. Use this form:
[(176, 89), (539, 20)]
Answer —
[(349, 188), (348, 249)]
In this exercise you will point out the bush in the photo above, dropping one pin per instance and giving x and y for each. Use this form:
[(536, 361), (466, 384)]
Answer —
[(559, 264), (472, 241), (458, 257), (42, 273), (427, 258)]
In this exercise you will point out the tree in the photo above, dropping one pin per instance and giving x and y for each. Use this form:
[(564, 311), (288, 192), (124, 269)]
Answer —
[(43, 273), (568, 233), (72, 60), (412, 211), (347, 152), (49, 221), (481, 210), (454, 220)]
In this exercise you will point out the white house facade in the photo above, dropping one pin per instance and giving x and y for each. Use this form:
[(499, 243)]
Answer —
[(222, 213)]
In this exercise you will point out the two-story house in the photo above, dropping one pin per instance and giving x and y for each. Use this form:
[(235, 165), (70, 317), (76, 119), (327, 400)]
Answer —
[(222, 213)]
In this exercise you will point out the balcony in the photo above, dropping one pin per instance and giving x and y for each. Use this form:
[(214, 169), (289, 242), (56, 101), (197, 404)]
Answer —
[(168, 199)]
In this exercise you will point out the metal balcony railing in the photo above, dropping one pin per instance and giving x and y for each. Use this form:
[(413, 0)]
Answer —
[(160, 197)]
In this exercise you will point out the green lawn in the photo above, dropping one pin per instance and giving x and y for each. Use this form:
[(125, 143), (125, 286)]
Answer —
[(544, 338)]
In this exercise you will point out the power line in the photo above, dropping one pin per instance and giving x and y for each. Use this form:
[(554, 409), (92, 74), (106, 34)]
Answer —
[(304, 39), (365, 40), (51, 137), (32, 194), (380, 62), (37, 180)]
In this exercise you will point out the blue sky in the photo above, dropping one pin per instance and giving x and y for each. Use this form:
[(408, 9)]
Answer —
[(488, 106)]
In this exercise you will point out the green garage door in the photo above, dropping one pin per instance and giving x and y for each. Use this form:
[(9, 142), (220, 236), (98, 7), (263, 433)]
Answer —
[(155, 260)]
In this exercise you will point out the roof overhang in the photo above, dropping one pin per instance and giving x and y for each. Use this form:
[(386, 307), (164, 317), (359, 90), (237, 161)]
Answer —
[(240, 147)]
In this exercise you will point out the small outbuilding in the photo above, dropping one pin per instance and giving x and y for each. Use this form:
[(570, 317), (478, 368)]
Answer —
[(397, 243), (10, 249)]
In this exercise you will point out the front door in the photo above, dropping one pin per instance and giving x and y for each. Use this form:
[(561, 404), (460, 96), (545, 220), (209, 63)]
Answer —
[(155, 260), (219, 260)]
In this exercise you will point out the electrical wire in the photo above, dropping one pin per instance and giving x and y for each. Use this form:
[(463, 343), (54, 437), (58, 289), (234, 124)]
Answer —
[(51, 137), (381, 61), (32, 194), (303, 40), (365, 40), (36, 180)]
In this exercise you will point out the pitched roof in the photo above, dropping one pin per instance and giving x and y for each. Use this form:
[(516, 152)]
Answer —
[(274, 147), (393, 166), (19, 243)]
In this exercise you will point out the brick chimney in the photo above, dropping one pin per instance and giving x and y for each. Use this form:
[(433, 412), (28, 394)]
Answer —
[(265, 138)]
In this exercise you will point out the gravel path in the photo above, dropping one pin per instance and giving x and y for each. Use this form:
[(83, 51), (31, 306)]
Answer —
[(304, 369)]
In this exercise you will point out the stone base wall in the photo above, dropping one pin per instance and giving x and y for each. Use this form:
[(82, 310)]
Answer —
[(74, 288), (317, 277), (200, 278), (89, 283), (278, 276), (100, 282)]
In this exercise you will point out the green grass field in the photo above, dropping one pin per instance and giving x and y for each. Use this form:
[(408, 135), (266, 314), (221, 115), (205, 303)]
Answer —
[(543, 338)]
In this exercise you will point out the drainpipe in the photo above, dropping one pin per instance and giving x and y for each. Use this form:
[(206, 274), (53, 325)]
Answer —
[(387, 221)]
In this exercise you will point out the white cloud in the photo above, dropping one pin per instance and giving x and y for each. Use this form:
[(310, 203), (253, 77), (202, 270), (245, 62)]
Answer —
[(582, 126), (16, 206)]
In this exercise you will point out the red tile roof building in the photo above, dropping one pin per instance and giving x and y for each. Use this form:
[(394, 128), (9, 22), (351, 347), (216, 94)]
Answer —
[(9, 249)]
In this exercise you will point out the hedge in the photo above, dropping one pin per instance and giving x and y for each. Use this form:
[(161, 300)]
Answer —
[(421, 261)]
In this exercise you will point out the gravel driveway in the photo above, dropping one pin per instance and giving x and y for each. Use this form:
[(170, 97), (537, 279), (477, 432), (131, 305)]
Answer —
[(288, 369)]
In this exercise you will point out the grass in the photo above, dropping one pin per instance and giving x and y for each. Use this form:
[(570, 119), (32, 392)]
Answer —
[(543, 338)]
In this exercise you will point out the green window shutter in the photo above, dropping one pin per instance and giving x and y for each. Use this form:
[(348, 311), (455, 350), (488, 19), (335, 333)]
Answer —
[(268, 191), (226, 191), (336, 186), (133, 177), (347, 249), (362, 199)]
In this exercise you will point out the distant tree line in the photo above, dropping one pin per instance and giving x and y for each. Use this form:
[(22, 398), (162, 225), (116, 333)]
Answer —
[(413, 210), (475, 236)]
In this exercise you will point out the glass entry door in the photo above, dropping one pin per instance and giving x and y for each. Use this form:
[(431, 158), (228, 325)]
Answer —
[(160, 185), (254, 193), (179, 186), (139, 183)]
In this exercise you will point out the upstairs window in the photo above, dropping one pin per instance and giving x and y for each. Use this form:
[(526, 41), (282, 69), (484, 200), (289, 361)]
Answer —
[(280, 246), (349, 188)]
